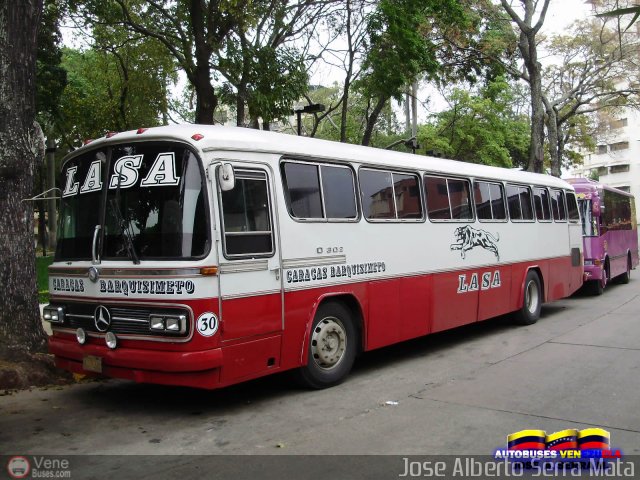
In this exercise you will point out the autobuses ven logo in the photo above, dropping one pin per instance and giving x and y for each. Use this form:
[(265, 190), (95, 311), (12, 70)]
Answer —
[(18, 467), (569, 444)]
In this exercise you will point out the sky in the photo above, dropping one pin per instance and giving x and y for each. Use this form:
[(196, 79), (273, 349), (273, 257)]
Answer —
[(562, 13)]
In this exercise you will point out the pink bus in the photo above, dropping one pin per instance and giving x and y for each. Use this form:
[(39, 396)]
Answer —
[(609, 230)]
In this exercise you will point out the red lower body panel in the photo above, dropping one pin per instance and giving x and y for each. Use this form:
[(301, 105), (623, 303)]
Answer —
[(390, 310)]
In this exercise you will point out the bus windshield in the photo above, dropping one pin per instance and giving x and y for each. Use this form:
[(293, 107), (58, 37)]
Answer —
[(148, 200), (589, 222)]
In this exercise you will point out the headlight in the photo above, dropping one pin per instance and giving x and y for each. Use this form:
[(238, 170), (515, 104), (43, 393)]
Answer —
[(156, 322), (168, 323), (588, 263), (53, 314), (111, 340), (81, 336), (176, 324)]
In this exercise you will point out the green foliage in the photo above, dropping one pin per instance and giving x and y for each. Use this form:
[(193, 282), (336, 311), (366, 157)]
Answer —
[(386, 131), (42, 275), (271, 80), (116, 87), (441, 40), (51, 78), (479, 128), (399, 50)]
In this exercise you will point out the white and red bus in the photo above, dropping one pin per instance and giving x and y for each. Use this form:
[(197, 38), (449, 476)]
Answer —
[(205, 256)]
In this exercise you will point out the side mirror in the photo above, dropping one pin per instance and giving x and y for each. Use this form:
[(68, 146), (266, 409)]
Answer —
[(226, 177), (596, 209)]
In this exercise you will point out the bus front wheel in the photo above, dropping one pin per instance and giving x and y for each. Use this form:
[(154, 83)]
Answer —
[(532, 300), (332, 347)]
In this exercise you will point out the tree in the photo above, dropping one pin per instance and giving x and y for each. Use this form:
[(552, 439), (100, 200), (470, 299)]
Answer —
[(51, 77), (333, 125), (480, 128), (22, 149), (211, 40), (391, 44), (191, 31), (588, 77), (439, 41), (532, 73), (118, 84), (263, 59)]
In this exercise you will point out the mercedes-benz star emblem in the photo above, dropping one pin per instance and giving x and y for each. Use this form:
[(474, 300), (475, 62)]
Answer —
[(102, 318)]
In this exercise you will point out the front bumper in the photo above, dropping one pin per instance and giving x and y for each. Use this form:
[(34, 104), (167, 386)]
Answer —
[(199, 369)]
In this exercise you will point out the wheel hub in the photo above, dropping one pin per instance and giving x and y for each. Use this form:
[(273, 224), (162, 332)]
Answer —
[(328, 342)]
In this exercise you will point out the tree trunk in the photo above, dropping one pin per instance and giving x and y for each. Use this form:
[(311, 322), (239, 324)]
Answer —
[(528, 46), (553, 136), (22, 147), (536, 146), (372, 119), (206, 98)]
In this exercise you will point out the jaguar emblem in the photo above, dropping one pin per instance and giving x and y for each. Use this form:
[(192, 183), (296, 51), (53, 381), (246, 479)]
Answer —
[(468, 238)]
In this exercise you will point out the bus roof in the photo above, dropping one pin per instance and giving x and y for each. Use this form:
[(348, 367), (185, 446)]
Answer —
[(219, 138), (586, 185)]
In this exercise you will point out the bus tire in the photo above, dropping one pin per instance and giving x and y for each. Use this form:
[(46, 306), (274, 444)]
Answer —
[(332, 347), (597, 287), (532, 300), (624, 278)]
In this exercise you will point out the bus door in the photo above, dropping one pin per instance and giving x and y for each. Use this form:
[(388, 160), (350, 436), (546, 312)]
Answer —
[(575, 243), (249, 272)]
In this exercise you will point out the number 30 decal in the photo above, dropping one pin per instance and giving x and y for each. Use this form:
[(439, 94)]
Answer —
[(207, 324)]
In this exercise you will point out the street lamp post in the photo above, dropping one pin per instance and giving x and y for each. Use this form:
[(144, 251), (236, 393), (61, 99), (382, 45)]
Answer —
[(311, 108)]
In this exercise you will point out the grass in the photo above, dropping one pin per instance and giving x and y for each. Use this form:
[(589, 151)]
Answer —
[(42, 273)]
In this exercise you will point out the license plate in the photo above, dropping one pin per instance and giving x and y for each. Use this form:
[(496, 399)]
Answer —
[(92, 364)]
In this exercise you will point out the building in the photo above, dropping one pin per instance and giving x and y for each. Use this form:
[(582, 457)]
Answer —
[(616, 159)]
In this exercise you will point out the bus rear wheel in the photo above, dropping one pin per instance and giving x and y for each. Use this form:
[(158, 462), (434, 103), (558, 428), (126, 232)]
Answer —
[(532, 300), (624, 278), (332, 347), (597, 287)]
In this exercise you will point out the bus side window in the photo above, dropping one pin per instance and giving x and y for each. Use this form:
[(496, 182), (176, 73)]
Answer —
[(460, 199), (519, 200), (390, 195), (437, 198), (572, 207), (558, 205), (541, 202), (245, 214), (319, 192), (448, 198), (489, 198)]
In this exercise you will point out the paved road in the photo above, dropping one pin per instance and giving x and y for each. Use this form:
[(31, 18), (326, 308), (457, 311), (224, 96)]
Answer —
[(459, 392)]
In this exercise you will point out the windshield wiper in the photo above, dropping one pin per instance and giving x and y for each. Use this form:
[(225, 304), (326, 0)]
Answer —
[(125, 225)]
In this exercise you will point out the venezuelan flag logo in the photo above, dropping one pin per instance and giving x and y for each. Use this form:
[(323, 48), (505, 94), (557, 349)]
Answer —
[(527, 440), (563, 440), (593, 439)]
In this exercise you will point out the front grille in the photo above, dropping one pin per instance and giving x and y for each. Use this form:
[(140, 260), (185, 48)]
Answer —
[(124, 320)]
